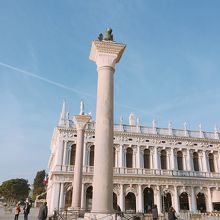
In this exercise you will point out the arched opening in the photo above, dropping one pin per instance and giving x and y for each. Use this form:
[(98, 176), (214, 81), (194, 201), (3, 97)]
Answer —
[(180, 160), (196, 161), (211, 162), (91, 156), (68, 198), (148, 199), (129, 155), (130, 202), (73, 154), (163, 160), (115, 203), (184, 201), (89, 193), (200, 201), (147, 159), (166, 201)]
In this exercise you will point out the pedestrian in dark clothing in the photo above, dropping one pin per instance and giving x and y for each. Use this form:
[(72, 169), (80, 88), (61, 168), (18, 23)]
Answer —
[(26, 209), (42, 215), (172, 214), (154, 212)]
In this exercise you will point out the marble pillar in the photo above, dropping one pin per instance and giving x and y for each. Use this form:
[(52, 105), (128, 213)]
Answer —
[(80, 121), (106, 54)]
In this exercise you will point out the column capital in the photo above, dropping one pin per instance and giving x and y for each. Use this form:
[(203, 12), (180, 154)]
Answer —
[(106, 53), (81, 121)]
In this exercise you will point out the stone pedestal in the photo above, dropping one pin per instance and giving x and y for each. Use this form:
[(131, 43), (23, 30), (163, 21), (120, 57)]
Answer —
[(80, 121), (106, 54)]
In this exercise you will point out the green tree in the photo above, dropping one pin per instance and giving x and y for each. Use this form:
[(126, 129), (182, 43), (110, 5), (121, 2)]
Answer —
[(39, 186), (14, 190)]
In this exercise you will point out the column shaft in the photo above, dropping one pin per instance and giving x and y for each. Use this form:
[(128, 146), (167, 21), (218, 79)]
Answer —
[(77, 180), (103, 172)]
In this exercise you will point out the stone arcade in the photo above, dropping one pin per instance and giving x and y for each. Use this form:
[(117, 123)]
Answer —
[(151, 165)]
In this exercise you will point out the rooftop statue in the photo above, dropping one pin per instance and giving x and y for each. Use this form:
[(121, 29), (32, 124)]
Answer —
[(108, 36)]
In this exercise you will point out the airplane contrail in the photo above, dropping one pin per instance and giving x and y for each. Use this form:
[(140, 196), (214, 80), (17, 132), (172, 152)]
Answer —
[(60, 85), (45, 80)]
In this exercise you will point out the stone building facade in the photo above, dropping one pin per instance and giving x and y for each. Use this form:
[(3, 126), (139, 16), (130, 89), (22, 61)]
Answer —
[(163, 166)]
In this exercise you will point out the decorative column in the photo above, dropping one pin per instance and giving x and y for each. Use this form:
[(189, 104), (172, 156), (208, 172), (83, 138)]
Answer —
[(140, 207), (200, 162), (61, 202), (205, 167), (106, 53), (184, 160), (193, 200), (156, 151), (208, 200), (80, 121), (189, 160), (65, 156), (83, 197), (121, 156), (216, 162), (176, 200), (121, 201), (157, 198)]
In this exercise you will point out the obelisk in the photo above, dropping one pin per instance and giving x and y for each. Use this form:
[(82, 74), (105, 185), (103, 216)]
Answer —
[(106, 53), (80, 121)]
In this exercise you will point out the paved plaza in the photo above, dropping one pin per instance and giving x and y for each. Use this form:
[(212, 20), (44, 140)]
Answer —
[(10, 216)]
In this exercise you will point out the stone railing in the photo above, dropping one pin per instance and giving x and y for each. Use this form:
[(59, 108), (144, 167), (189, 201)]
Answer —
[(142, 171)]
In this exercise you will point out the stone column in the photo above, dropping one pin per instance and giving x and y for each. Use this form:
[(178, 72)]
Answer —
[(83, 197), (121, 201), (208, 200), (216, 163), (59, 154), (156, 151), (121, 156), (193, 200), (140, 207), (65, 156), (106, 54), (61, 202), (189, 161), (205, 167), (176, 200), (80, 121)]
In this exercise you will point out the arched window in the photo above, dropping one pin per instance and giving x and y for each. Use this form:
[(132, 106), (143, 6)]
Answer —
[(130, 202), (163, 159), (89, 195), (91, 155), (73, 154), (68, 198), (184, 201), (129, 155), (211, 162), (180, 160), (147, 159), (115, 204), (196, 161), (200, 202), (148, 199), (166, 201)]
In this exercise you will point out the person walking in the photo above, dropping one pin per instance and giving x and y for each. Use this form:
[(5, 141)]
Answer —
[(172, 214), (154, 212), (42, 215), (26, 209), (17, 210)]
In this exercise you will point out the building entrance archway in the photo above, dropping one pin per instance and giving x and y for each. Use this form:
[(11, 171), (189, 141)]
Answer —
[(130, 202), (200, 202), (184, 201), (148, 199), (89, 193)]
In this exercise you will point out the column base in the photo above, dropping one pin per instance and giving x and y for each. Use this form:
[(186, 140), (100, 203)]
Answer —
[(96, 216)]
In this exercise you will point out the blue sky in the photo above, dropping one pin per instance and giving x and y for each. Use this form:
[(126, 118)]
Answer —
[(170, 70)]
